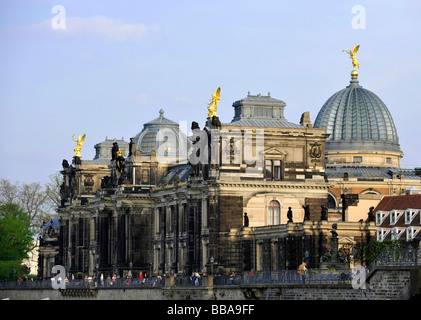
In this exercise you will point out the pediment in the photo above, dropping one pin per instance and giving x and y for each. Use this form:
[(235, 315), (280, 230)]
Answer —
[(274, 151), (346, 241)]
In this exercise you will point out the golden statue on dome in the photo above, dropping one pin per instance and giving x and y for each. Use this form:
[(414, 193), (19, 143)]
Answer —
[(353, 53), (80, 141), (214, 102)]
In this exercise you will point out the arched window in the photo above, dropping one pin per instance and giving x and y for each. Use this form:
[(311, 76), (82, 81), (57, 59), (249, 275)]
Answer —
[(274, 213), (332, 203)]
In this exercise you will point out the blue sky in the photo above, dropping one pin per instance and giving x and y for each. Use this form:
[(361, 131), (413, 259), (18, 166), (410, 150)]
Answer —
[(117, 63)]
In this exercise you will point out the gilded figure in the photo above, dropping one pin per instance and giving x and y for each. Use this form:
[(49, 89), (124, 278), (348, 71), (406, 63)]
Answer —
[(214, 102), (80, 141), (352, 54)]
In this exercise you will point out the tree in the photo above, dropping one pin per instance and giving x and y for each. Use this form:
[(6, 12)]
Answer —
[(34, 198), (56, 180), (8, 191), (16, 240)]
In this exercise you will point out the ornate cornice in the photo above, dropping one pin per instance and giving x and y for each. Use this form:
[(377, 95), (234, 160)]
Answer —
[(278, 185)]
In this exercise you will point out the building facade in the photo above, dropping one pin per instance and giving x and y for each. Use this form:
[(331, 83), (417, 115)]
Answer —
[(257, 193), (399, 217)]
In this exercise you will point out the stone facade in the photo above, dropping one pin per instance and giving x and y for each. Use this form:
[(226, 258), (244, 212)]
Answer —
[(141, 214)]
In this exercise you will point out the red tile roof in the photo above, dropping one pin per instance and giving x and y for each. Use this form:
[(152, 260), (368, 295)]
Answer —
[(404, 202), (388, 203)]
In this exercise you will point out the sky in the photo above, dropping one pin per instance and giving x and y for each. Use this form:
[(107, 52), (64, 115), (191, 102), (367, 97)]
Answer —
[(104, 68)]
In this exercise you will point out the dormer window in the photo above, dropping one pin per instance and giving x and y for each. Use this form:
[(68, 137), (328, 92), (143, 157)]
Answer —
[(380, 216), (395, 215), (381, 233), (396, 233), (411, 232), (410, 215)]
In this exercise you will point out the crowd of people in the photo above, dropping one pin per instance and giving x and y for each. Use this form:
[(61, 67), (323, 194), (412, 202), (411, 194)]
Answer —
[(115, 280), (303, 274)]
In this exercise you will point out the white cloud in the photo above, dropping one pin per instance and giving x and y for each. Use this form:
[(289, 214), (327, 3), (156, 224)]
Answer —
[(94, 27)]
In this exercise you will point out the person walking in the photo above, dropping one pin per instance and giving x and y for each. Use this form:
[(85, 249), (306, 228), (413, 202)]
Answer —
[(302, 272)]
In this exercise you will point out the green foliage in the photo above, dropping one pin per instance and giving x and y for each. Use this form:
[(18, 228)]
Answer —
[(374, 248), (15, 239), (11, 270)]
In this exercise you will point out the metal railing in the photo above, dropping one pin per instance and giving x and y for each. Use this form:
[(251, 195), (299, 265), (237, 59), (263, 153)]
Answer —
[(261, 277), (87, 283), (396, 257), (288, 276), (388, 257)]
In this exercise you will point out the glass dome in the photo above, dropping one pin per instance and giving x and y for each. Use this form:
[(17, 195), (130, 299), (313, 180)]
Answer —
[(357, 119)]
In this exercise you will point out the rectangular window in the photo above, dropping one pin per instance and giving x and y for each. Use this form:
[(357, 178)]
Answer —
[(273, 169), (277, 169), (358, 159), (268, 170), (389, 160)]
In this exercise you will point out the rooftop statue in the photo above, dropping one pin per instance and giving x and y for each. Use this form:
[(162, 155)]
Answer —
[(120, 161), (352, 54), (214, 102), (80, 141)]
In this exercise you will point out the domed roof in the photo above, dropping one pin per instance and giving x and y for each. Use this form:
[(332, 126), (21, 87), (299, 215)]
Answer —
[(157, 134), (357, 119)]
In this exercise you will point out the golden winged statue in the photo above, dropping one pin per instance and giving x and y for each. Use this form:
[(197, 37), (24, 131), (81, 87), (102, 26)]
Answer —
[(352, 54), (214, 102), (80, 141)]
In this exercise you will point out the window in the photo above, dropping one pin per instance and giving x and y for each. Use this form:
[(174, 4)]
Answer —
[(157, 218), (274, 213), (395, 215), (396, 233), (331, 202), (382, 233), (277, 169), (389, 160), (273, 170), (410, 215), (411, 232), (358, 159), (268, 169), (380, 216)]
